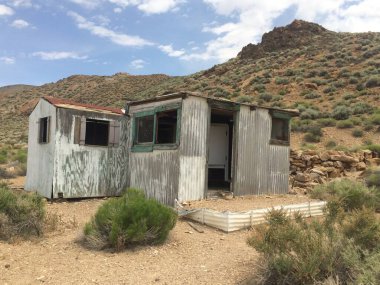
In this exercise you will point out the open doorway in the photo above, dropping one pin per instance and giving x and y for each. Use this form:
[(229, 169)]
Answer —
[(220, 149)]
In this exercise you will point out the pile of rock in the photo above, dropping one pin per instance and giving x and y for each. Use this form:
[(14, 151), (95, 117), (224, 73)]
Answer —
[(309, 168)]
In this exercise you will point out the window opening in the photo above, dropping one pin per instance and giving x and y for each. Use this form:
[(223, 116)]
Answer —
[(44, 130), (166, 127), (145, 127), (97, 132), (280, 129)]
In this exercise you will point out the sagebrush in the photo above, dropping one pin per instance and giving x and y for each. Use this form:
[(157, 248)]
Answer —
[(129, 220), (21, 214)]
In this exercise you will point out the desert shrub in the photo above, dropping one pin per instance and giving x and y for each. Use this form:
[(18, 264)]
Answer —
[(21, 214), (21, 155), (309, 114), (330, 144), (5, 174), (367, 125), (353, 80), (357, 133), (244, 99), (298, 252), (312, 95), (281, 81), (265, 97), (351, 194), (327, 122), (341, 112), (373, 82), (311, 138), (345, 124), (3, 158), (375, 119), (129, 220), (372, 177), (361, 108), (373, 147)]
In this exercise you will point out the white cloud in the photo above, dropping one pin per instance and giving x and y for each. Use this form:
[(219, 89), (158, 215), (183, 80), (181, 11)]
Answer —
[(150, 6), (249, 19), (118, 10), (168, 49), (21, 3), (5, 10), (7, 60), (137, 64), (58, 55), (88, 4), (19, 24), (117, 38)]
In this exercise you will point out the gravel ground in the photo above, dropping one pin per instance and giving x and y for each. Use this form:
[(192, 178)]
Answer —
[(188, 257), (246, 203)]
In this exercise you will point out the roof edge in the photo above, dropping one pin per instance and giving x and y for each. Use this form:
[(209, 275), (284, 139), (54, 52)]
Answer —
[(184, 94)]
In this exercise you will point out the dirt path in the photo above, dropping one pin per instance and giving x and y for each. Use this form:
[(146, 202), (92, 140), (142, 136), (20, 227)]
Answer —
[(188, 257)]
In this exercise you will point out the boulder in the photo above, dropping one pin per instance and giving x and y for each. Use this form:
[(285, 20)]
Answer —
[(343, 158), (361, 166), (324, 156), (302, 177)]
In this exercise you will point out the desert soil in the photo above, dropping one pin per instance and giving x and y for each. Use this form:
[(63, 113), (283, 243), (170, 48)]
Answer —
[(246, 203), (187, 257)]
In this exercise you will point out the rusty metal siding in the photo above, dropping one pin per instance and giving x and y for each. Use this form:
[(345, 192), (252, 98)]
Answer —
[(89, 171), (193, 148), (261, 168), (40, 164), (156, 173)]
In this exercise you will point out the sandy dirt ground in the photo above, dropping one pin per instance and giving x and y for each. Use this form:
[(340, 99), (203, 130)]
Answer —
[(246, 203), (187, 257)]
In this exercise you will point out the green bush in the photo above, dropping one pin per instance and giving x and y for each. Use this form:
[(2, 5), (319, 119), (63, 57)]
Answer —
[(330, 144), (342, 246), (375, 119), (372, 177), (20, 214), (345, 124), (373, 82), (244, 99), (357, 133), (129, 220), (327, 122), (341, 112), (309, 114), (352, 195), (362, 108)]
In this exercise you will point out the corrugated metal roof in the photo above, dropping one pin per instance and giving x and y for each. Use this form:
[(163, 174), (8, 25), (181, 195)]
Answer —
[(63, 103), (183, 94)]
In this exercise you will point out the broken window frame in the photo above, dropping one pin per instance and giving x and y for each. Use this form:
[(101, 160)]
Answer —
[(114, 129), (44, 130), (150, 146), (286, 119)]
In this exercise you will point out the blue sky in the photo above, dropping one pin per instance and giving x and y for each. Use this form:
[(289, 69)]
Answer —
[(42, 41)]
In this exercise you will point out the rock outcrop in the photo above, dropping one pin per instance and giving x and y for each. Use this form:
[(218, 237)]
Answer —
[(310, 168), (297, 34)]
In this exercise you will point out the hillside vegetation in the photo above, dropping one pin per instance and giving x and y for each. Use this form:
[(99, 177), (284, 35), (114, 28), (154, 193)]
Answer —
[(332, 78)]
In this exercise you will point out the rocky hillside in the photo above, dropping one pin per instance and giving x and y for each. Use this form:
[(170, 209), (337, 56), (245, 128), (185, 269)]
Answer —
[(333, 78)]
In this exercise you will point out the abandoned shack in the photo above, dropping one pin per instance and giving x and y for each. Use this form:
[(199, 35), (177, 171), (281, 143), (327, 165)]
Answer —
[(174, 147), (76, 150)]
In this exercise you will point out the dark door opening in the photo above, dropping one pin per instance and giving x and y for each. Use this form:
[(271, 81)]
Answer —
[(220, 149)]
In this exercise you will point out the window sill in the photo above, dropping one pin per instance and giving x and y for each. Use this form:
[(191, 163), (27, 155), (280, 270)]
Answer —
[(279, 142), (150, 148)]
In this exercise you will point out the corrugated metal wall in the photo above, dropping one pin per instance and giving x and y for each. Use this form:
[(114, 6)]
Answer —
[(261, 168), (89, 171), (156, 173), (193, 148), (40, 165)]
